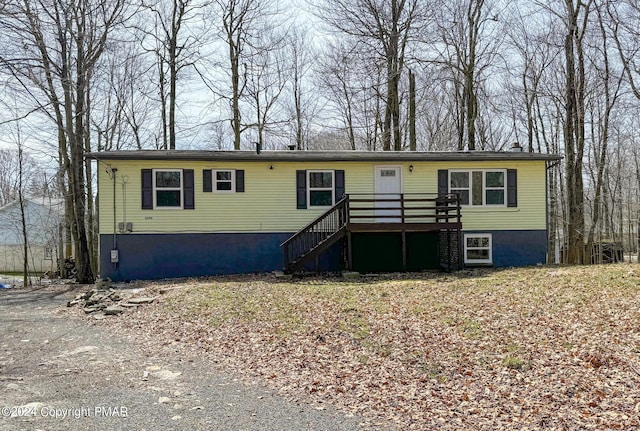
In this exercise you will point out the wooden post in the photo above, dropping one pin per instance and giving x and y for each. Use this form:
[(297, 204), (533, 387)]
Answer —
[(449, 250), (286, 258)]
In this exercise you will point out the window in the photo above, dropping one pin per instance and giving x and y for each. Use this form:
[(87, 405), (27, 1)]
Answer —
[(477, 249), (223, 180), (48, 253), (167, 188), (320, 188), (479, 188)]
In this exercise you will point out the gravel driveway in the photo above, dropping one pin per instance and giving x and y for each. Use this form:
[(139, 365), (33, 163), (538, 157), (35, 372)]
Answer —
[(59, 373)]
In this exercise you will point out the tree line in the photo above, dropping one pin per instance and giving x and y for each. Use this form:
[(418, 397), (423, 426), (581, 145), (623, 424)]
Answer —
[(558, 76)]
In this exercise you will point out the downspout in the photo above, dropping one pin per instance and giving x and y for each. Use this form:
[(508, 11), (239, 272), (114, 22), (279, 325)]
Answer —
[(115, 240)]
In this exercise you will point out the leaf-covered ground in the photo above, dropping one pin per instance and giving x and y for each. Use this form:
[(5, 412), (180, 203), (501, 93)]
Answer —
[(536, 348)]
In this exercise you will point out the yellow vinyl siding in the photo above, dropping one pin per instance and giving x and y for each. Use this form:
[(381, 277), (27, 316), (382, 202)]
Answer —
[(531, 210), (269, 201)]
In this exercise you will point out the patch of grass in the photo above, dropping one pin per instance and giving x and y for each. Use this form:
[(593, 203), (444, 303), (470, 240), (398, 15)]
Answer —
[(223, 305), (513, 362), (356, 326), (471, 328)]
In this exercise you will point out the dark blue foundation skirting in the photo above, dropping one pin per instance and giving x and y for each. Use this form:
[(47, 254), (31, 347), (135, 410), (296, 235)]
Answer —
[(517, 247), (156, 256)]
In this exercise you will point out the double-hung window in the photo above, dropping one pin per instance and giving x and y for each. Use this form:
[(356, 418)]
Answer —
[(224, 180), (167, 188), (321, 188), (479, 187), (477, 249)]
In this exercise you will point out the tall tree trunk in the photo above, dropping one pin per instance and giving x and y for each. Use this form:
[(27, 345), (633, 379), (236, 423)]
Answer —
[(574, 132), (23, 219), (412, 111), (173, 71), (163, 103), (386, 125), (235, 95)]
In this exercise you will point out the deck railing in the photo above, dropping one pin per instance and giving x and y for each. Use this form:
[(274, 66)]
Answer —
[(404, 208)]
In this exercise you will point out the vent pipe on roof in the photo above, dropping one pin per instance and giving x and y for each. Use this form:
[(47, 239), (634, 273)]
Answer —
[(516, 148), (258, 147), (292, 147)]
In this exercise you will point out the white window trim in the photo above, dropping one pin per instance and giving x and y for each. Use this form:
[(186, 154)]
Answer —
[(214, 181), (155, 195), (484, 187), (488, 261), (332, 188)]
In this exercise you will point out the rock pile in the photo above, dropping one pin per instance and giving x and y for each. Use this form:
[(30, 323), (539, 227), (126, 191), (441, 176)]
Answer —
[(104, 300)]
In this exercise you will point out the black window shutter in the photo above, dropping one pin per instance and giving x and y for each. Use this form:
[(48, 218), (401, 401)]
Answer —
[(239, 180), (339, 174), (512, 188), (147, 189), (188, 189), (301, 190), (207, 183), (443, 181)]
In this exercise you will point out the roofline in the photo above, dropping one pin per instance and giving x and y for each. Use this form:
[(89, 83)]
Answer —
[(320, 156), (33, 200)]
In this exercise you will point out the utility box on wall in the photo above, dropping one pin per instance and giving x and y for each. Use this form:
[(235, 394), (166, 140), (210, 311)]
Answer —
[(115, 256)]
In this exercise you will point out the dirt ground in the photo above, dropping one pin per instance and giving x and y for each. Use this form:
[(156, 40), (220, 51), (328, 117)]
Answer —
[(61, 373)]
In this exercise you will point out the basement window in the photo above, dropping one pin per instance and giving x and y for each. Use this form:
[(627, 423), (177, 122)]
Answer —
[(477, 249)]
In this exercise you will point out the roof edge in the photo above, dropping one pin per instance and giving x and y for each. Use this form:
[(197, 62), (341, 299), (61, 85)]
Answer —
[(294, 155)]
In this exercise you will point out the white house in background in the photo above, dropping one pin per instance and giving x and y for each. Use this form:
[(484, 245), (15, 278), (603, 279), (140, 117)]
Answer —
[(43, 218)]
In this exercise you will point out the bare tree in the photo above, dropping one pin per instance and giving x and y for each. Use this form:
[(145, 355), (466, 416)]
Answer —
[(354, 89), (532, 46), (385, 29), (336, 75), (51, 52), (176, 39), (241, 24), (301, 60), (604, 106), (469, 45), (266, 78)]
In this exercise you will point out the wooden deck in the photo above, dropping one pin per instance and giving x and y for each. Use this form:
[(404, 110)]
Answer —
[(358, 213)]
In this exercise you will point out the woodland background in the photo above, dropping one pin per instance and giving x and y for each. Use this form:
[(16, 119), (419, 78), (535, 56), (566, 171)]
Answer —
[(557, 76)]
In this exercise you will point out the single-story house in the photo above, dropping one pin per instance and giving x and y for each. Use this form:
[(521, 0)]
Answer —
[(194, 213), (43, 218)]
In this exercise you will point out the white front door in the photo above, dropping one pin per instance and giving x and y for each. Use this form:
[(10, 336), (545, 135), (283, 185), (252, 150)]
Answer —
[(388, 185)]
